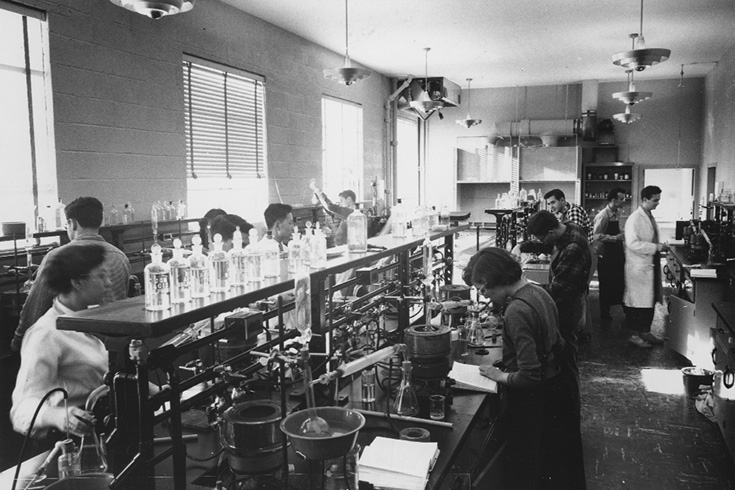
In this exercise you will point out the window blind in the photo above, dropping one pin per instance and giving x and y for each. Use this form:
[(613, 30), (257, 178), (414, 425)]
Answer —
[(224, 117)]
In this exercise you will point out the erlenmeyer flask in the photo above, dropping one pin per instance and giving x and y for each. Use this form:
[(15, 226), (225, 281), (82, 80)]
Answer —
[(406, 402), (92, 455)]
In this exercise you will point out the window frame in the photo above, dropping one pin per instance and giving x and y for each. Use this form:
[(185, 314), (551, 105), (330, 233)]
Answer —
[(334, 170)]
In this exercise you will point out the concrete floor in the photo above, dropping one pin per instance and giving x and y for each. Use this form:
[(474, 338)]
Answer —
[(640, 431)]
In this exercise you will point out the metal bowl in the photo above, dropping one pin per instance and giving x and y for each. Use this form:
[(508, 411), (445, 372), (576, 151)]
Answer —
[(92, 481), (344, 423)]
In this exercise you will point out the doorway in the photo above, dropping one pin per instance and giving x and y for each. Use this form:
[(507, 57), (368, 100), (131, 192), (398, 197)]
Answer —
[(677, 192)]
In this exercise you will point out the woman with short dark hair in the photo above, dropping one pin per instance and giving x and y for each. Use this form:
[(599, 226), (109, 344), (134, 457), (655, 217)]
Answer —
[(52, 358), (544, 444)]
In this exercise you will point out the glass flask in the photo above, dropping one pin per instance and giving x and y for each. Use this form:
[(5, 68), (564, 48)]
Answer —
[(199, 269), (238, 260), (357, 232), (180, 275), (475, 332), (92, 455), (219, 267), (406, 402), (271, 259), (294, 251), (157, 282), (254, 257)]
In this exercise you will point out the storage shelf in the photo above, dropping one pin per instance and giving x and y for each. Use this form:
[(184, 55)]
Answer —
[(482, 182), (628, 181)]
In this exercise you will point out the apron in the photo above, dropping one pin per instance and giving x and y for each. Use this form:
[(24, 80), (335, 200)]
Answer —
[(610, 268)]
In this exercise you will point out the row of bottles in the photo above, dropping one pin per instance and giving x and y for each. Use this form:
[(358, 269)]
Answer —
[(609, 175), (307, 251), (181, 279), (602, 195), (168, 210), (122, 216), (407, 222), (160, 211), (50, 218), (514, 199)]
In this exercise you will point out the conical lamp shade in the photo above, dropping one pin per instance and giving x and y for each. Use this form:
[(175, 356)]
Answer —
[(468, 121), (627, 117), (347, 74), (155, 9)]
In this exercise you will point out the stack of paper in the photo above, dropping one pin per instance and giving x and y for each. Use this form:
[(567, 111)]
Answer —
[(711, 273), (395, 463), (468, 377)]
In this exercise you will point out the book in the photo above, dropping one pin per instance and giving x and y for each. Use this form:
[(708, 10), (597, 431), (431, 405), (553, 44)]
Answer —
[(395, 463), (468, 377)]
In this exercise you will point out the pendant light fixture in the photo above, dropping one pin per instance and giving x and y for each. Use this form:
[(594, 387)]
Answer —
[(632, 96), (468, 122), (627, 117), (347, 74), (156, 9), (638, 58), (423, 104)]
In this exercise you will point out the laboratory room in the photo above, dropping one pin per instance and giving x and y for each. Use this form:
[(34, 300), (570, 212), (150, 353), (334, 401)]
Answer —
[(350, 245)]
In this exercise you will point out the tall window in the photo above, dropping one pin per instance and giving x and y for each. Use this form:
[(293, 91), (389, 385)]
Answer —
[(341, 147), (27, 156), (225, 139)]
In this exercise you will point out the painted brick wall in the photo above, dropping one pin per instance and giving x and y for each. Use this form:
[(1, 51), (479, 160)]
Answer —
[(118, 101)]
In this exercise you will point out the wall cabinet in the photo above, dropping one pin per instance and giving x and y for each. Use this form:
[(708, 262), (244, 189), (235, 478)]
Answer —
[(601, 173), (483, 173)]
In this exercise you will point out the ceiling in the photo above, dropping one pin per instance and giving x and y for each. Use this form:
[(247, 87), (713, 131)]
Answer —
[(507, 43)]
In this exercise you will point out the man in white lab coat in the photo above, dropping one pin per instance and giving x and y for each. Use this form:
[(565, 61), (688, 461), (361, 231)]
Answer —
[(642, 269)]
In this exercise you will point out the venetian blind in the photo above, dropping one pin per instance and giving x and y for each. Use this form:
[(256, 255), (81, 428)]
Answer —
[(225, 121)]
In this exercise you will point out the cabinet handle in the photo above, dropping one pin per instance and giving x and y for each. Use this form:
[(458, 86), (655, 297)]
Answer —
[(728, 378)]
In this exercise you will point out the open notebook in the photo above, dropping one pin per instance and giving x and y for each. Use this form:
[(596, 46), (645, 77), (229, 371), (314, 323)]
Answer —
[(468, 377)]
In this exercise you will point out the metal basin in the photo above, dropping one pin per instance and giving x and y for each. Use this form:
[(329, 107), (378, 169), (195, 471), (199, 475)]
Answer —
[(344, 423), (92, 481)]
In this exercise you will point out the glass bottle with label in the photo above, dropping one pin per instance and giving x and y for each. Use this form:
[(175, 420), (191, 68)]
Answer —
[(306, 245), (357, 232), (294, 251), (238, 260), (271, 259), (399, 220), (219, 267), (406, 402), (199, 269), (254, 257), (157, 282), (318, 249), (180, 275)]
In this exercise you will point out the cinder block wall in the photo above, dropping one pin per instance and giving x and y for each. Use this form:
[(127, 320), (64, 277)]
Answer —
[(118, 98)]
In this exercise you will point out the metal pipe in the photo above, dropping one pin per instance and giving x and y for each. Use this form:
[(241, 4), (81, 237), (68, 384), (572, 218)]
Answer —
[(361, 363)]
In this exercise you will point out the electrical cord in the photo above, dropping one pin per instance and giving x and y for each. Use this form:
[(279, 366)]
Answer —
[(30, 429)]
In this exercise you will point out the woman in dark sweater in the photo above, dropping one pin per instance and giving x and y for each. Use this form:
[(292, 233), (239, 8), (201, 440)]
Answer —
[(544, 444)]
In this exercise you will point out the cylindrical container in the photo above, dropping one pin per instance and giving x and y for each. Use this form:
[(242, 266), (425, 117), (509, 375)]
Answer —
[(694, 377), (342, 473), (436, 407), (418, 434), (367, 379), (250, 434), (357, 232)]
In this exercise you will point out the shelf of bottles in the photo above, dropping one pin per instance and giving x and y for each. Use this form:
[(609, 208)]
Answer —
[(722, 216), (601, 178)]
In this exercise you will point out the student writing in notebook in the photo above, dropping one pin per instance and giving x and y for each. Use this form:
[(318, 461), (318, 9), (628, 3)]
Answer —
[(543, 424)]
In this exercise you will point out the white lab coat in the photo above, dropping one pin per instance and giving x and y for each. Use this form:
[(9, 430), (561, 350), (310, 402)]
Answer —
[(639, 251)]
